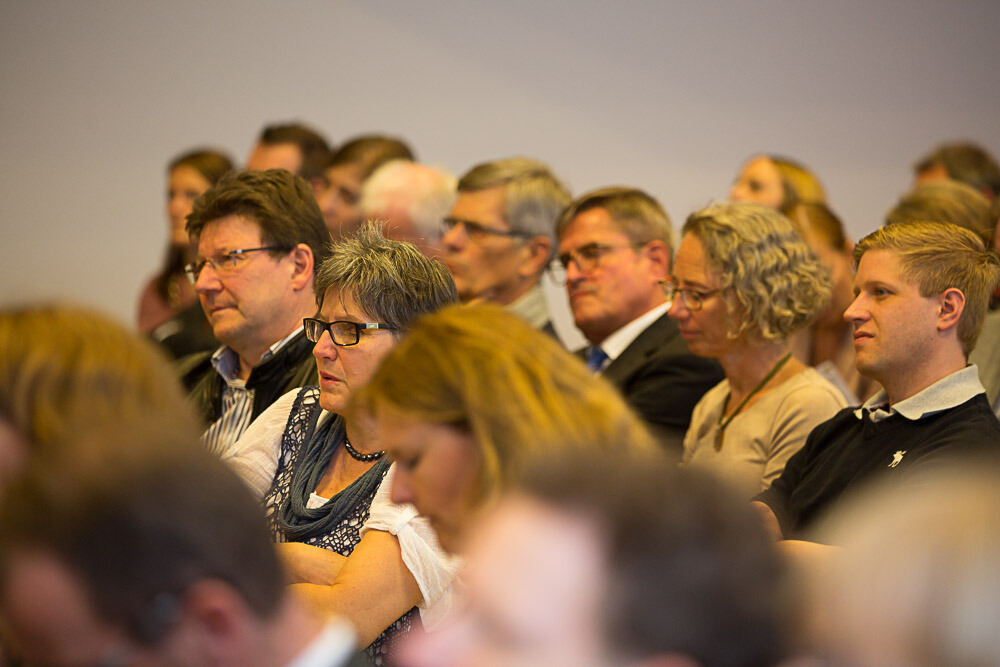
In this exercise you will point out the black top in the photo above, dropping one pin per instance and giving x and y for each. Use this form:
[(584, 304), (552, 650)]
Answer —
[(662, 380), (291, 367), (845, 452)]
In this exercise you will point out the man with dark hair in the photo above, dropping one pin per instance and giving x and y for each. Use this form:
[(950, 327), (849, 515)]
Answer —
[(615, 246), (260, 239), (961, 161), (600, 561), (921, 292), (141, 548), (291, 146), (339, 193), (500, 235)]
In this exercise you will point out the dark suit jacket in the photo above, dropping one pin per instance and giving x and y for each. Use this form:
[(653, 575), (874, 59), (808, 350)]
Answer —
[(662, 380)]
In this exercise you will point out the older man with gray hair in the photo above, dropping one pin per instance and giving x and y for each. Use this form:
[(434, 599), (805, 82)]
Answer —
[(500, 235), (413, 199)]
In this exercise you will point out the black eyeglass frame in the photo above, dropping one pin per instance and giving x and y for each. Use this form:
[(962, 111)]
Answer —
[(315, 328)]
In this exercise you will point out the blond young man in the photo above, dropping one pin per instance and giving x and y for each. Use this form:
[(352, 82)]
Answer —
[(922, 290)]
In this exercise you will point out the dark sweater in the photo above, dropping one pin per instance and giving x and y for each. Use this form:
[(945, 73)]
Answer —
[(845, 452)]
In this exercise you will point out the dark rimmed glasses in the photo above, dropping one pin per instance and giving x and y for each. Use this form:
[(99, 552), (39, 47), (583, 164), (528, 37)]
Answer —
[(693, 299), (224, 263), (342, 332), (477, 231)]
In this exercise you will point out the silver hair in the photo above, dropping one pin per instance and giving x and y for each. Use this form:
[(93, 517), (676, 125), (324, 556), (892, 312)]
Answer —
[(391, 281), (425, 193), (534, 196)]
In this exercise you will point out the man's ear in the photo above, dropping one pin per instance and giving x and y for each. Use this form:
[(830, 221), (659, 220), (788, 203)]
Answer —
[(951, 304), (302, 262), (658, 254), (538, 253), (215, 622)]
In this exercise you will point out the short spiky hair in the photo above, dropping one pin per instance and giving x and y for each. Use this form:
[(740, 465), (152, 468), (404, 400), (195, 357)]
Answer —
[(391, 281), (937, 256)]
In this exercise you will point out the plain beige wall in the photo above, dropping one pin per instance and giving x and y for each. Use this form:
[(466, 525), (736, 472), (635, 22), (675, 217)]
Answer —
[(95, 97)]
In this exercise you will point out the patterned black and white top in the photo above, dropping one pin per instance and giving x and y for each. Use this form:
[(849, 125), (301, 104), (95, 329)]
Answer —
[(302, 423)]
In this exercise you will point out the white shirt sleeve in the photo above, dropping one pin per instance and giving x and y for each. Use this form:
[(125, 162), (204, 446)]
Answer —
[(433, 569), (254, 456)]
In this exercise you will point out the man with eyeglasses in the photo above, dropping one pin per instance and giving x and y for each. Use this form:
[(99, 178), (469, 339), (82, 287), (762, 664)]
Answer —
[(615, 246), (500, 234), (260, 238)]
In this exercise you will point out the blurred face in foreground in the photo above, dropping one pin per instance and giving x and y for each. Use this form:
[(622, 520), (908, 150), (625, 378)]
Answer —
[(534, 586), (437, 470)]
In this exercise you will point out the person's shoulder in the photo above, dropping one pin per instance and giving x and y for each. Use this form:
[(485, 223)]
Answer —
[(193, 366), (810, 388), (972, 422)]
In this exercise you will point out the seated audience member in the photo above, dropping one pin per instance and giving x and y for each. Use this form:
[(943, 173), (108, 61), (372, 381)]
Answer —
[(946, 201), (260, 238), (319, 470), (615, 247), (828, 343), (294, 147), (138, 547), (500, 235), (460, 403), (959, 204), (339, 193), (413, 199), (743, 281), (168, 306), (615, 561), (471, 395), (922, 291), (916, 580), (66, 370), (777, 182), (965, 162)]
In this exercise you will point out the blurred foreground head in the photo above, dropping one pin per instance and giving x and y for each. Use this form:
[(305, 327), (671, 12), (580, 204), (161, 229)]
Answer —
[(66, 371), (139, 547), (615, 560), (472, 394), (918, 579)]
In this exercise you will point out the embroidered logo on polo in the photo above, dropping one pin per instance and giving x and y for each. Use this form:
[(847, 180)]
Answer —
[(897, 457)]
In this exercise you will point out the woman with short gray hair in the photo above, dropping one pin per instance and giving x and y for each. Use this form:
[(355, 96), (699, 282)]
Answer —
[(743, 281), (319, 470)]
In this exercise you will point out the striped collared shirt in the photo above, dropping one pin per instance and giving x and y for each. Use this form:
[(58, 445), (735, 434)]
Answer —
[(237, 400)]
